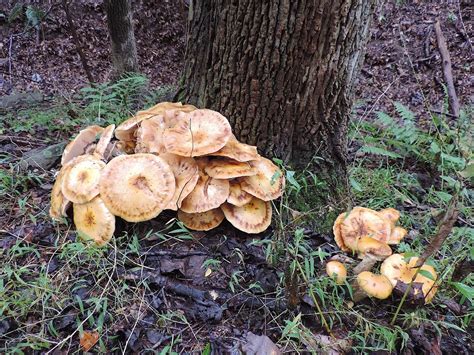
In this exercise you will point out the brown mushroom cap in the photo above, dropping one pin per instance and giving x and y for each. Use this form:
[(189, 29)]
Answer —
[(208, 194), (104, 141), (94, 221), (336, 268), (81, 178), (79, 144), (137, 187), (398, 233), (367, 245), (267, 184), (350, 227), (238, 151), (377, 286), (203, 221), (59, 204), (186, 174), (237, 196), (253, 217), (226, 168), (202, 132), (126, 130), (395, 268)]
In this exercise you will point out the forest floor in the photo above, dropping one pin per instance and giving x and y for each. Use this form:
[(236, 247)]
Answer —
[(160, 288)]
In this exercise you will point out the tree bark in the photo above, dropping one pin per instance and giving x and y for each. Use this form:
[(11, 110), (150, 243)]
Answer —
[(282, 71), (124, 50)]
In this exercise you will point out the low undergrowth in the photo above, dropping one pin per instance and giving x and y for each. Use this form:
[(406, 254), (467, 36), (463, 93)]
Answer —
[(54, 288)]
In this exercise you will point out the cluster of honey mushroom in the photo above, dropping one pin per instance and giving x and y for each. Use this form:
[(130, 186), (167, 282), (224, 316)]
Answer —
[(168, 157), (369, 234)]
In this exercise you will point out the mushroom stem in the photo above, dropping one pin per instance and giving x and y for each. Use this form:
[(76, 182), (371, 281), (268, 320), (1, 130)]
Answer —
[(366, 264), (358, 293)]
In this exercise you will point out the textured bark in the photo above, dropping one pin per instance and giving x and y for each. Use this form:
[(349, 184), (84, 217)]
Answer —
[(124, 50), (282, 71)]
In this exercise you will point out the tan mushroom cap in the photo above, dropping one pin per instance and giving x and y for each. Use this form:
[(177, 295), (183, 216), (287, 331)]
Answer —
[(104, 141), (59, 204), (126, 130), (79, 144), (81, 178), (226, 168), (208, 194), (267, 184), (202, 221), (391, 214), (126, 147), (137, 187), (361, 221), (398, 233), (94, 221), (237, 196), (201, 132), (377, 286), (150, 136), (337, 269), (395, 268), (367, 245), (186, 174), (336, 229), (238, 151), (162, 107), (253, 217)]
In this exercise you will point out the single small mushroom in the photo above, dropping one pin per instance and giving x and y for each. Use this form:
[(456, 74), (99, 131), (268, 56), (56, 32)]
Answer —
[(237, 196), (370, 251), (59, 204), (397, 269), (202, 221), (137, 187), (94, 221), (226, 168), (372, 285), (236, 150), (398, 233), (253, 217), (269, 182), (202, 132), (80, 183), (209, 193), (337, 270), (360, 221), (391, 214), (186, 175), (80, 143), (104, 141)]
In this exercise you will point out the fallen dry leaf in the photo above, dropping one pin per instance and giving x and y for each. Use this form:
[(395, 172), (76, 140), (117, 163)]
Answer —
[(88, 340)]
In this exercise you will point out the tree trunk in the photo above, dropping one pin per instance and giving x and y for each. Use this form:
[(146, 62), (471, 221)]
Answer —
[(282, 71), (124, 50)]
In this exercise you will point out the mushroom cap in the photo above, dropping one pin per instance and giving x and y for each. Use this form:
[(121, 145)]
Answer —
[(398, 233), (226, 168), (126, 147), (367, 245), (162, 107), (79, 144), (377, 286), (104, 141), (237, 196), (186, 175), (253, 217), (238, 151), (202, 221), (395, 268), (137, 187), (201, 132), (267, 184), (337, 268), (59, 204), (209, 193), (336, 229), (94, 221), (81, 178), (391, 214), (150, 136), (126, 130), (361, 221)]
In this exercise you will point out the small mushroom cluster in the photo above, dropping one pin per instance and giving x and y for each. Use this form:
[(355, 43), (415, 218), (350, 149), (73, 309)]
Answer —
[(369, 234), (171, 156)]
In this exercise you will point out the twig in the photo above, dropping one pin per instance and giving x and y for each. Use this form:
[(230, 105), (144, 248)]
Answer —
[(77, 42), (10, 58), (447, 69)]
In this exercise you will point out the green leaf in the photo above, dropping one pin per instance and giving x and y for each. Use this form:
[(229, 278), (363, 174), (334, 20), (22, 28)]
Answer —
[(207, 349), (468, 172), (427, 274), (290, 177), (355, 185), (379, 151), (465, 290)]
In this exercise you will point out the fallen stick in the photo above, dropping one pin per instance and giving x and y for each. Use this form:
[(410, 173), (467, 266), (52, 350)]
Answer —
[(447, 69)]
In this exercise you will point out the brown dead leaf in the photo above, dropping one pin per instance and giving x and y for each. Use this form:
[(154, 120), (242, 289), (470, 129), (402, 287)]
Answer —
[(88, 340)]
